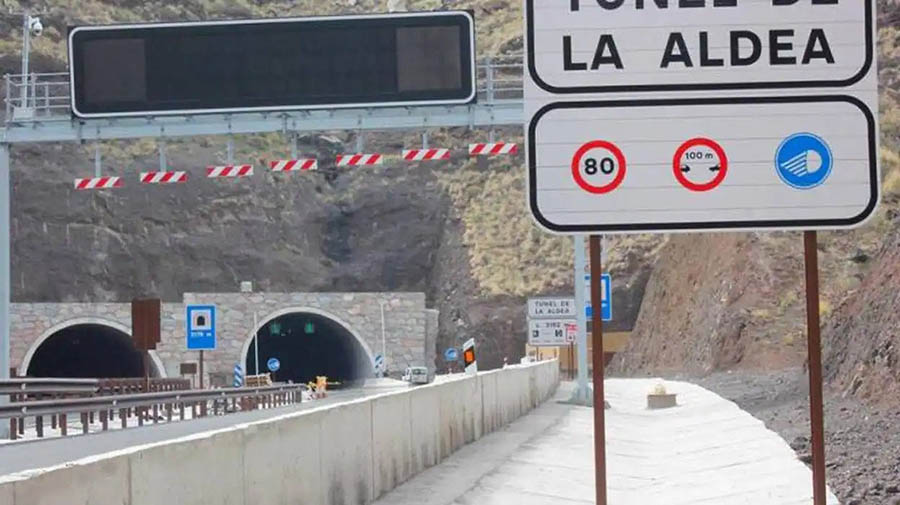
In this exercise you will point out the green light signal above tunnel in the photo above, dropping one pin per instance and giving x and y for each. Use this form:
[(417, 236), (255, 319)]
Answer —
[(309, 328)]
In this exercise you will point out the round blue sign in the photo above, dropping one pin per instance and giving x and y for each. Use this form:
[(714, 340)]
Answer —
[(803, 161), (273, 364), (451, 354)]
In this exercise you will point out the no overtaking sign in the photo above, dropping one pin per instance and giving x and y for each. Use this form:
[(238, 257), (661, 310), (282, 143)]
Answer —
[(778, 132)]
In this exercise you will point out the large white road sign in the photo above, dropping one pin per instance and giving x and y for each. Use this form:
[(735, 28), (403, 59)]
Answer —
[(594, 46), (690, 115)]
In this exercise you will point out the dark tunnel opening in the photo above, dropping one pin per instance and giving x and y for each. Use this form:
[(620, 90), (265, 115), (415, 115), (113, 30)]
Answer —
[(87, 351), (309, 345)]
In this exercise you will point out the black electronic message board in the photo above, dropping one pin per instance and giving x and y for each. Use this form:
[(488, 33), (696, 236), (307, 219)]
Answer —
[(273, 64)]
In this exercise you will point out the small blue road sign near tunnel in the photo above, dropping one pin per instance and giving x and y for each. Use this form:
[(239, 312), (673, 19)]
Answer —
[(273, 364), (451, 354), (605, 303), (200, 324)]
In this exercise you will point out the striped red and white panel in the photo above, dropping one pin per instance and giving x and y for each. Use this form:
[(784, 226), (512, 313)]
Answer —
[(426, 154), (163, 177), (493, 149), (98, 183), (353, 160), (229, 171), (300, 165)]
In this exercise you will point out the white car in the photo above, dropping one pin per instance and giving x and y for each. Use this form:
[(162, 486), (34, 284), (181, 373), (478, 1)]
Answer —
[(416, 375)]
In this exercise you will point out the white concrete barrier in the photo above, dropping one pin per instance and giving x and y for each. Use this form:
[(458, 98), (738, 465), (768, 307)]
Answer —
[(6, 493), (198, 471), (295, 443), (347, 466), (452, 420), (392, 441), (425, 405), (346, 454), (104, 480), (490, 419)]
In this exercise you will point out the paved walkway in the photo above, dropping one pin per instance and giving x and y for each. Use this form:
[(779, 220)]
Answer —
[(706, 451)]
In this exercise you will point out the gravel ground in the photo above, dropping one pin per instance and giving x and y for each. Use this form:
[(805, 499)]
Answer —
[(862, 442)]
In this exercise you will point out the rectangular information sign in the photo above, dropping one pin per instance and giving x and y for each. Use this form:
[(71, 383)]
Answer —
[(200, 327), (551, 308), (400, 59), (549, 332)]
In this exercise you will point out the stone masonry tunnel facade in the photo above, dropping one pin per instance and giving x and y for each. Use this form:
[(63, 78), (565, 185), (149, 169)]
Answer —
[(410, 329)]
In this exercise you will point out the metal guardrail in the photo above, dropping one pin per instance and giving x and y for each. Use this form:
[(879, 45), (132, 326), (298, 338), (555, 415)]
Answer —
[(38, 386), (40, 97), (135, 386), (146, 407), (31, 387)]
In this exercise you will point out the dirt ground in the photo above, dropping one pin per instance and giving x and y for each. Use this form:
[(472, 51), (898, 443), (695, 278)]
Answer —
[(862, 443)]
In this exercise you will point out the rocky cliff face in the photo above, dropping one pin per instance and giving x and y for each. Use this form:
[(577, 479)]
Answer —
[(715, 302), (862, 353)]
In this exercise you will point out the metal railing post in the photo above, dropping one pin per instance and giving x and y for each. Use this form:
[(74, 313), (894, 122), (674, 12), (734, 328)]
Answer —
[(33, 93), (8, 101), (98, 160), (489, 76), (5, 285), (162, 154), (26, 52)]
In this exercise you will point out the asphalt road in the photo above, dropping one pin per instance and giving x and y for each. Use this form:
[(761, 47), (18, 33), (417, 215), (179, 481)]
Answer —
[(34, 454)]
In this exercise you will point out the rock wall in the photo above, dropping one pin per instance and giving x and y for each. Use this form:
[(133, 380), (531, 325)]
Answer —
[(862, 339)]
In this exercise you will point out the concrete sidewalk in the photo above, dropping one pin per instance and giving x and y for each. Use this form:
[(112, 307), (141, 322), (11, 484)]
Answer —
[(705, 451)]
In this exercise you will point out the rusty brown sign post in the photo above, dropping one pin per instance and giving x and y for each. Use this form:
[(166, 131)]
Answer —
[(145, 329)]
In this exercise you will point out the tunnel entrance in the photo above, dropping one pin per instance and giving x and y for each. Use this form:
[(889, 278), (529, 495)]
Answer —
[(308, 345), (87, 351)]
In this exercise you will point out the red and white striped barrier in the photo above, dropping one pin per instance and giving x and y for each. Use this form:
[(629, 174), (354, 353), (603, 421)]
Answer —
[(98, 183), (163, 177), (492, 149), (353, 160), (229, 171), (426, 154), (301, 165)]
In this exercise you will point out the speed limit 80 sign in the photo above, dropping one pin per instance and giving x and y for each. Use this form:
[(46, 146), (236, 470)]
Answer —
[(598, 167)]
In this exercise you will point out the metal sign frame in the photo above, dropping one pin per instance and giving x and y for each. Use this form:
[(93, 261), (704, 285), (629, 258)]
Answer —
[(407, 15)]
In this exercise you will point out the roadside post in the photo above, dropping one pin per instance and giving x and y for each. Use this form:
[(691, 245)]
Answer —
[(451, 356), (145, 329), (200, 334), (470, 364), (726, 116)]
